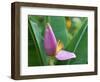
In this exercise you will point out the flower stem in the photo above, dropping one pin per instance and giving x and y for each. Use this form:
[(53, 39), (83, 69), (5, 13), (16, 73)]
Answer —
[(51, 60)]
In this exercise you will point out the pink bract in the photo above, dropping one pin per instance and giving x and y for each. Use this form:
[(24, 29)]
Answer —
[(65, 55), (50, 42)]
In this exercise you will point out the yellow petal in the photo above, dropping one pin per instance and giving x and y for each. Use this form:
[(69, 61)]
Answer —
[(60, 46)]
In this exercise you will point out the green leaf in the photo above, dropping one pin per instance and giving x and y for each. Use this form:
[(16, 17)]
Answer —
[(79, 45), (38, 41), (58, 24), (33, 55), (76, 40), (81, 51)]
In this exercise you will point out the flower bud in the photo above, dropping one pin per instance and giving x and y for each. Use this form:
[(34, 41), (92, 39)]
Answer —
[(50, 42)]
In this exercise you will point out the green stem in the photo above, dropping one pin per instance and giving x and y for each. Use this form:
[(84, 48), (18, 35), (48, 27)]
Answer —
[(51, 60)]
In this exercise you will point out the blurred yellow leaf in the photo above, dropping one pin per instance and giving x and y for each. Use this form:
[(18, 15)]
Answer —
[(68, 23)]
